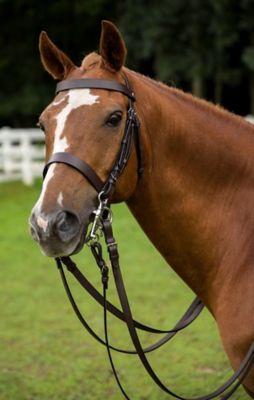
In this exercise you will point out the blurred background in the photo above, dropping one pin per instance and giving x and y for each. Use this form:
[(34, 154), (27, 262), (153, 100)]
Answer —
[(203, 47)]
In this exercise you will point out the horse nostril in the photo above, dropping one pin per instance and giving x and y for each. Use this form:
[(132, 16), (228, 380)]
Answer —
[(66, 225)]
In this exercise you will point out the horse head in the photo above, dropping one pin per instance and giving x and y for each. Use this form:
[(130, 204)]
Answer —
[(195, 198), (88, 124)]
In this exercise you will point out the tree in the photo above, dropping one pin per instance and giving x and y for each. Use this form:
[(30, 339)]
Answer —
[(74, 26), (188, 42), (225, 44), (173, 37), (193, 44), (247, 25)]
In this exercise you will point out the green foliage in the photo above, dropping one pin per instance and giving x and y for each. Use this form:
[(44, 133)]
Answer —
[(45, 354), (74, 26), (248, 57), (178, 41), (184, 39), (247, 24)]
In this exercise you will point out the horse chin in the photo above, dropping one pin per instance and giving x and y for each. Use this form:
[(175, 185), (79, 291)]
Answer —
[(79, 246), (57, 249)]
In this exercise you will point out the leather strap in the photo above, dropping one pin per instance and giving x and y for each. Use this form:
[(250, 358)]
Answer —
[(231, 384), (131, 133), (240, 374), (126, 315), (123, 154), (189, 316), (79, 165), (95, 84)]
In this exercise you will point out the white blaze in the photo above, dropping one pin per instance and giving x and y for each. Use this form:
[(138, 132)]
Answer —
[(76, 98), (56, 102), (60, 199), (49, 175)]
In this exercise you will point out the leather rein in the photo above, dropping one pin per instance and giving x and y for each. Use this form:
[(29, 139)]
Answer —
[(102, 226)]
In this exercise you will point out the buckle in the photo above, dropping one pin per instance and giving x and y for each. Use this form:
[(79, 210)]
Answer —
[(112, 244), (102, 212)]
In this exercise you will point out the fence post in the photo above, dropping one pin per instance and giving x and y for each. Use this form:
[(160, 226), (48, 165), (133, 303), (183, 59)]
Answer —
[(26, 164), (21, 154), (6, 151)]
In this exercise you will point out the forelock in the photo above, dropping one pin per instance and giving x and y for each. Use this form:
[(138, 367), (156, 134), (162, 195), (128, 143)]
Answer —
[(90, 61)]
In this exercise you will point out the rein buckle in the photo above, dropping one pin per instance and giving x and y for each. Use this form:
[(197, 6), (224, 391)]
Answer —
[(103, 212)]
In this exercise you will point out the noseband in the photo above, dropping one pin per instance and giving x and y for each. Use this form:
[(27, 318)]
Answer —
[(131, 134), (102, 224)]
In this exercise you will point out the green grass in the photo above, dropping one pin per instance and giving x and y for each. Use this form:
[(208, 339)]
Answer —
[(44, 352)]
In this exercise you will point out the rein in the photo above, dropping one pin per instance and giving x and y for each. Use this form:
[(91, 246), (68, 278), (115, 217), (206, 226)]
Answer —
[(102, 226)]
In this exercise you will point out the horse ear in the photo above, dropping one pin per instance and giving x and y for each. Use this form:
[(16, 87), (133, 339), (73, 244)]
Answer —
[(54, 60), (112, 47)]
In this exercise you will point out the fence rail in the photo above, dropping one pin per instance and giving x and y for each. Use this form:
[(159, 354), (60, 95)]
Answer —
[(21, 154)]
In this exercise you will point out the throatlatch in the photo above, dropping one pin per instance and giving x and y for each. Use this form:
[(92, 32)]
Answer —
[(102, 226)]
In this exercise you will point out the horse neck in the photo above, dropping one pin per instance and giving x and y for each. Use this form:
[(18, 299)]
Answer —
[(197, 167)]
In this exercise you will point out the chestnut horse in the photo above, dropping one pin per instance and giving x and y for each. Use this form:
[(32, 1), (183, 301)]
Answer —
[(194, 199)]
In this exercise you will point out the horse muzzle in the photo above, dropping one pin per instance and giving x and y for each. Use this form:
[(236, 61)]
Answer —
[(58, 234)]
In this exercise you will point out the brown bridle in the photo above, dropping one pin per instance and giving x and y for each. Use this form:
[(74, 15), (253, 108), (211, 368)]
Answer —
[(102, 223), (131, 134)]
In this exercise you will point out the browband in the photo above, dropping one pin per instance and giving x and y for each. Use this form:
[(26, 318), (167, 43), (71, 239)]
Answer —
[(94, 84)]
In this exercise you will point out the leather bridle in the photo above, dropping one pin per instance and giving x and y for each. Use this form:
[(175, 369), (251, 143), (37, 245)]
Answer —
[(131, 134), (102, 224)]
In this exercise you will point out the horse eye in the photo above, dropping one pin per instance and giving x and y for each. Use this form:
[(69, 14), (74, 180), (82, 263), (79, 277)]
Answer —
[(114, 119)]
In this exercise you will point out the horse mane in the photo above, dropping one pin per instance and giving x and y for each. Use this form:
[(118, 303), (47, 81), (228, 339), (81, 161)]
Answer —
[(90, 61), (196, 103), (217, 111)]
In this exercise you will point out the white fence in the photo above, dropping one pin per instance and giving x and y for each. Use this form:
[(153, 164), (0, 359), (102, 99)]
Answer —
[(250, 118), (21, 154)]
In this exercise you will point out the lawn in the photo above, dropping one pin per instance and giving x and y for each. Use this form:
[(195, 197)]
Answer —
[(44, 352)]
